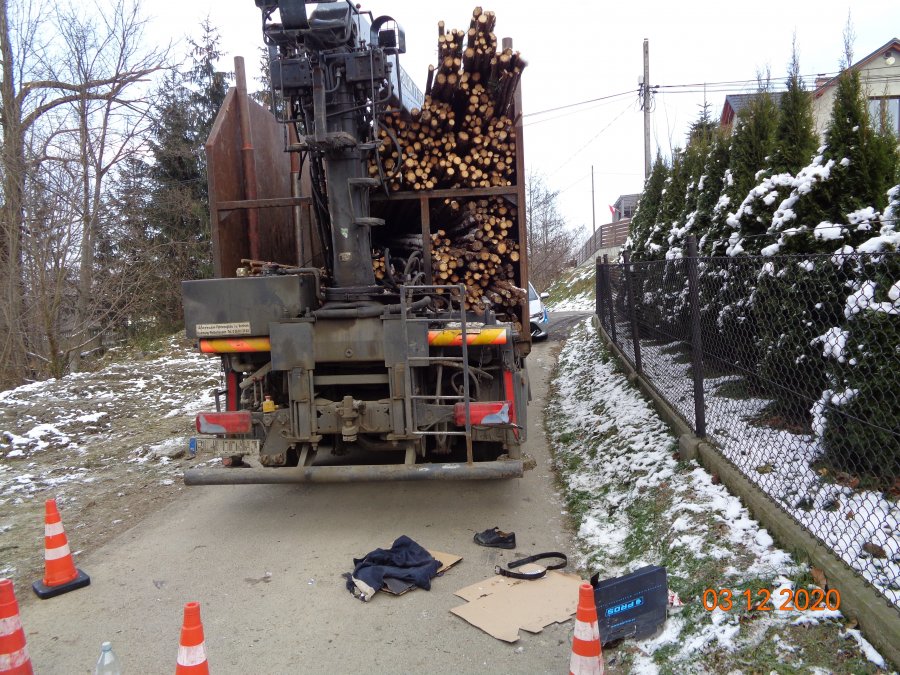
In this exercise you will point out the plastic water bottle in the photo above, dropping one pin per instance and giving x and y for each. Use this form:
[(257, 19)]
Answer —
[(107, 664)]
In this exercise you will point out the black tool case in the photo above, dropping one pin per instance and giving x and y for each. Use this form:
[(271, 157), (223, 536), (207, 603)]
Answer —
[(631, 606)]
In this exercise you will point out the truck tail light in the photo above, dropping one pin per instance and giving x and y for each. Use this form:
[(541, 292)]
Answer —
[(235, 422), (482, 412)]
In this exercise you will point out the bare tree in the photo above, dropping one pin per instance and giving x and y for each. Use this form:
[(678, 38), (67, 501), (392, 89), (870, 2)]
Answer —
[(82, 87), (550, 243), (107, 45), (849, 38)]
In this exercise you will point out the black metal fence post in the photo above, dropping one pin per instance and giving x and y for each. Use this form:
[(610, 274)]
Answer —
[(630, 299), (599, 289), (696, 338), (610, 301)]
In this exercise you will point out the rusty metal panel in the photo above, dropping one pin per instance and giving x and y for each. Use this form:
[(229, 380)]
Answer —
[(273, 174), (223, 156), (230, 236)]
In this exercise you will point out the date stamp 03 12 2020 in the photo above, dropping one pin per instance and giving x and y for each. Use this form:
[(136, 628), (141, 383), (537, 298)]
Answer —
[(761, 600)]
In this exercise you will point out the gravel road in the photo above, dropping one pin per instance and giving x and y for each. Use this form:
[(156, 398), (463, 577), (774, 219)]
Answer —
[(265, 562)]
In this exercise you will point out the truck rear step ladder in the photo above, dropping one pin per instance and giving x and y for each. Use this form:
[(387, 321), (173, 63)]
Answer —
[(437, 398)]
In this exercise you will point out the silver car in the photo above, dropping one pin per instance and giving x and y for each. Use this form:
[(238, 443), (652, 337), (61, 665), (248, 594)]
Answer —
[(538, 315)]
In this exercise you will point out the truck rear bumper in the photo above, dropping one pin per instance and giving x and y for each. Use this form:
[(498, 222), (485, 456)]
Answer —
[(508, 468)]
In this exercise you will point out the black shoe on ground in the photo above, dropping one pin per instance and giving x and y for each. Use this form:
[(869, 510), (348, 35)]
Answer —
[(496, 539)]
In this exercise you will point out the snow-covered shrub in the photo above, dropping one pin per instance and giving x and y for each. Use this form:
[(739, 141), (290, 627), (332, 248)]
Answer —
[(829, 211), (645, 213), (858, 415), (727, 314), (795, 298)]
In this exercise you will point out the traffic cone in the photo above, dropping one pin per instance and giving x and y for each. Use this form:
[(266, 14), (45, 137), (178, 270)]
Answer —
[(192, 648), (587, 657), (13, 652), (60, 574)]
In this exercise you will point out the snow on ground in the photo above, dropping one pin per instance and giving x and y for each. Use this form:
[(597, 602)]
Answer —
[(90, 437), (781, 462), (583, 302), (635, 503), (574, 293)]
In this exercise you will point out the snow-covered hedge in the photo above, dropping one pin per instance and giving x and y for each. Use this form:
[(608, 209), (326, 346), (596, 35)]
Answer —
[(825, 232)]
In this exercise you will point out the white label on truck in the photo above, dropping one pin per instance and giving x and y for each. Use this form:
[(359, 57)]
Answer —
[(228, 446), (220, 329)]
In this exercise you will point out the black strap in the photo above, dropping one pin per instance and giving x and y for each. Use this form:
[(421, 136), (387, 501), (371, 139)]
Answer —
[(537, 574)]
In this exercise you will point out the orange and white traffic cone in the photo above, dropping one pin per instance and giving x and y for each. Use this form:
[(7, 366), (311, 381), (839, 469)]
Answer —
[(192, 648), (60, 574), (587, 657), (13, 653)]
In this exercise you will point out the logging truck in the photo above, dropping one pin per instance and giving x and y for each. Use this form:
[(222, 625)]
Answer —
[(369, 305)]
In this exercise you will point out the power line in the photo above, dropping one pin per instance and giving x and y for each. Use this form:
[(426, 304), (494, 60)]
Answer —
[(592, 139), (716, 87), (580, 103), (570, 112)]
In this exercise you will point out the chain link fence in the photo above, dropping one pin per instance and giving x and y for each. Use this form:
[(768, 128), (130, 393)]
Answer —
[(790, 365)]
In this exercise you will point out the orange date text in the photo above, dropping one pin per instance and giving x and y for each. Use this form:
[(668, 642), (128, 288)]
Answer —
[(763, 600)]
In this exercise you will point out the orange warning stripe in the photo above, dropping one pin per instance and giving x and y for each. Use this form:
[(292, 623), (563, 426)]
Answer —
[(235, 345), (453, 337)]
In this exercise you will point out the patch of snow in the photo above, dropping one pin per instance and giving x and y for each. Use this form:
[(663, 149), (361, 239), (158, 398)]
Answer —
[(834, 343), (867, 648), (90, 417), (826, 231)]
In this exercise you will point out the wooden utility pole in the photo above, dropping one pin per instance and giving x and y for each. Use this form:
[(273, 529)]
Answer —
[(646, 106), (593, 203)]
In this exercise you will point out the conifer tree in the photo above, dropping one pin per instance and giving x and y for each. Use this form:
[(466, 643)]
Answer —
[(675, 300), (855, 417), (830, 210), (700, 140), (749, 153), (795, 135), (640, 241), (794, 145), (713, 183), (651, 283), (710, 243), (670, 207), (187, 104), (647, 209)]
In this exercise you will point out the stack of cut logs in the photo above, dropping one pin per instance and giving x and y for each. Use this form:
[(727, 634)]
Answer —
[(463, 137), (472, 245)]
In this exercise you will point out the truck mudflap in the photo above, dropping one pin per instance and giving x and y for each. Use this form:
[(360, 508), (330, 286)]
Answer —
[(498, 469)]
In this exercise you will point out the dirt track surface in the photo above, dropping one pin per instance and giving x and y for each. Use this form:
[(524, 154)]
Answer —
[(265, 562), (107, 445), (561, 323)]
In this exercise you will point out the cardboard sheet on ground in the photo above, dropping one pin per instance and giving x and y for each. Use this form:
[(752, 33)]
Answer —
[(398, 587), (500, 606)]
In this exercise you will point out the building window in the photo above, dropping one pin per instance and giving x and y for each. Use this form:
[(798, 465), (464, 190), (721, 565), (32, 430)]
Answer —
[(885, 111)]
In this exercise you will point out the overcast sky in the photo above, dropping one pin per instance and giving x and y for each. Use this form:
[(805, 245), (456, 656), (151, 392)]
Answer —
[(583, 51)]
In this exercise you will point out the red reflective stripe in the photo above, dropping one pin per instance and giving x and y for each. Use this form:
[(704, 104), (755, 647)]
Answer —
[(233, 422), (510, 392), (231, 385)]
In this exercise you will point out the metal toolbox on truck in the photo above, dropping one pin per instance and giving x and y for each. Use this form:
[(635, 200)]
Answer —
[(244, 306)]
